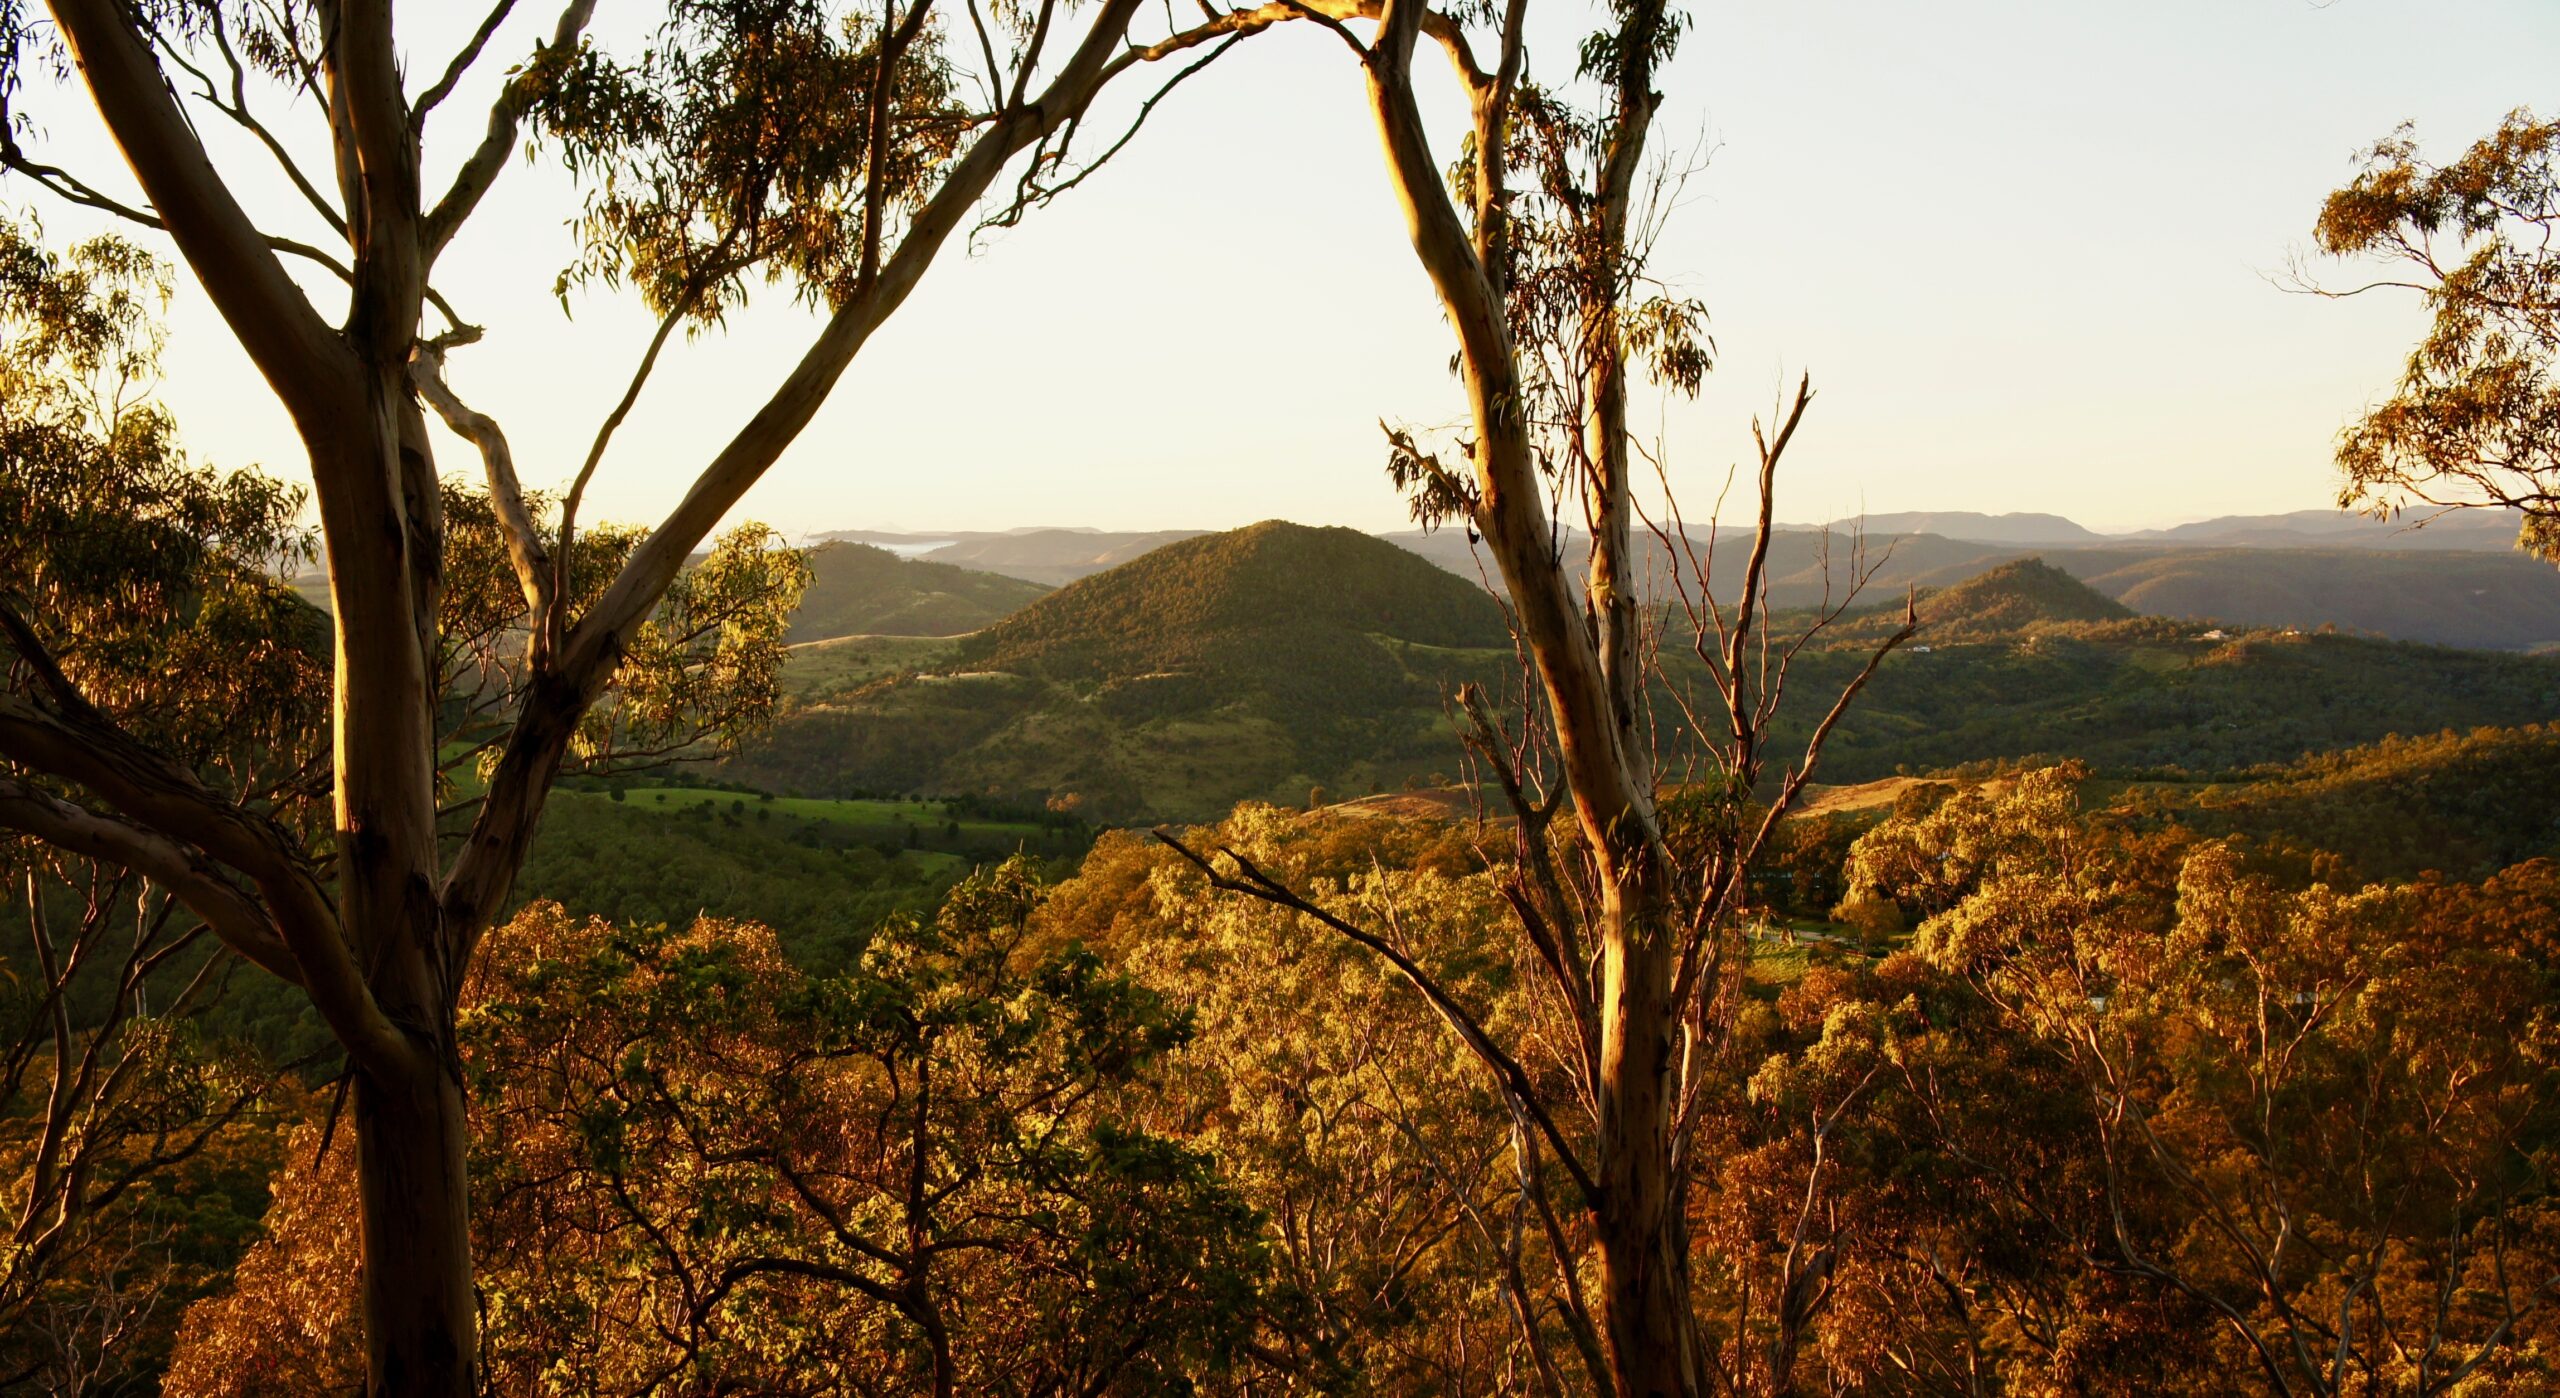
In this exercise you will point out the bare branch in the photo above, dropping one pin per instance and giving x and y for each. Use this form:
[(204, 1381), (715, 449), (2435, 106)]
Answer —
[(300, 355), (506, 494), (164, 797), (461, 64), (1253, 883), (231, 913), (506, 120)]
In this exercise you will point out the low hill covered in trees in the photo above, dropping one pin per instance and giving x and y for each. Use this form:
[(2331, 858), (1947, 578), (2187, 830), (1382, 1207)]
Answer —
[(2399, 588), (1265, 606), (2152, 696), (1258, 663), (1272, 661), (2021, 598), (859, 590)]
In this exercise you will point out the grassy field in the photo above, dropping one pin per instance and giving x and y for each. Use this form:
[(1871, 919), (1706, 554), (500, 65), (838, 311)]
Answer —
[(927, 830), (819, 668)]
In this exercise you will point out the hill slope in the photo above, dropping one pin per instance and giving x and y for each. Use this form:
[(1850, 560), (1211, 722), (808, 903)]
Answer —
[(2148, 696), (1050, 557), (1263, 662), (2463, 804), (2487, 601), (1252, 664), (859, 590), (1223, 600), (2023, 597), (2443, 596)]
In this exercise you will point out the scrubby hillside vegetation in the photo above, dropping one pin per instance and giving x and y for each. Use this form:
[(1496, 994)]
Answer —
[(2013, 601), (2456, 596), (1266, 662), (858, 590), (1259, 663)]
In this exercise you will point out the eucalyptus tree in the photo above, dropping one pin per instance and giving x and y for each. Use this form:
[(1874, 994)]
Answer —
[(2475, 418), (1536, 242), (829, 151), (152, 580)]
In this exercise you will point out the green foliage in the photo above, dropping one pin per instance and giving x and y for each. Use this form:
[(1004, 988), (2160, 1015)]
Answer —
[(2119, 1070), (1336, 1102), (151, 583), (2143, 703), (821, 888), (2462, 804), (737, 140), (2476, 419)]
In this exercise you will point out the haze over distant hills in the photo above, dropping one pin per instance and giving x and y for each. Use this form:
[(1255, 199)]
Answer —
[(856, 590), (1262, 662), (2455, 580), (1045, 556), (2478, 531)]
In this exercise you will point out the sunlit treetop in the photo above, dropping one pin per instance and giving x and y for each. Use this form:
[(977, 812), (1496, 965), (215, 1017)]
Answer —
[(2475, 419)]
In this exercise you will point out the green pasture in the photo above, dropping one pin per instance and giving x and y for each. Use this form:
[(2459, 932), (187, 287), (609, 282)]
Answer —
[(867, 818)]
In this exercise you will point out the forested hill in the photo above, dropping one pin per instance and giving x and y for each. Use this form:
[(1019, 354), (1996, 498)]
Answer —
[(859, 590), (2475, 598), (2025, 597), (1257, 663), (1262, 663), (1270, 599)]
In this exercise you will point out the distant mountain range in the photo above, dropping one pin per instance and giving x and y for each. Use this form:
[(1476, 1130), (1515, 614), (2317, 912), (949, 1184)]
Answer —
[(859, 590), (1056, 555), (2474, 531), (2454, 580), (1265, 662), (1045, 556)]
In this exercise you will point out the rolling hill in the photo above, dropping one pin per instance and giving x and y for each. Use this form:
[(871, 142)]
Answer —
[(1257, 663), (1049, 557), (2447, 596), (2151, 696), (858, 590), (2023, 597), (2451, 580), (1270, 603), (2490, 601), (1264, 662)]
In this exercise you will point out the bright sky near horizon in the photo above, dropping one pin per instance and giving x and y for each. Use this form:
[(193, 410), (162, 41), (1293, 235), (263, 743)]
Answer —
[(2027, 249)]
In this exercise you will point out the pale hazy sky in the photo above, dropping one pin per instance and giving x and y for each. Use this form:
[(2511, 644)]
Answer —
[(2024, 246)]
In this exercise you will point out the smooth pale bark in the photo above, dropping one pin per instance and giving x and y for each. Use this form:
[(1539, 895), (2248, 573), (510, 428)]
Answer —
[(383, 952), (1642, 1219), (1591, 673)]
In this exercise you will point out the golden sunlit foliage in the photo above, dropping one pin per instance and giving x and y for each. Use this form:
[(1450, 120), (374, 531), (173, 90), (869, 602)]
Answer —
[(2476, 419)]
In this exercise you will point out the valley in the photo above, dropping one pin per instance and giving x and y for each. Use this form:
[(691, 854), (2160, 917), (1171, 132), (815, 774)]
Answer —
[(1279, 663)]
